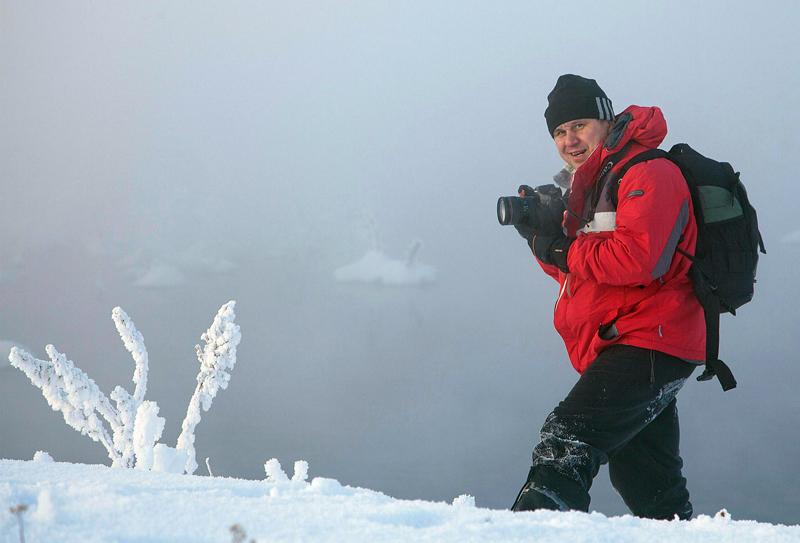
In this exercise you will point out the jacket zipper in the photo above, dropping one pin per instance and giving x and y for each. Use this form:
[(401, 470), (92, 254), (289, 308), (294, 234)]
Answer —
[(564, 288)]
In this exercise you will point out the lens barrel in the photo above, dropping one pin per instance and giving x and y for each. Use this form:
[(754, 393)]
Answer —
[(515, 209), (504, 211)]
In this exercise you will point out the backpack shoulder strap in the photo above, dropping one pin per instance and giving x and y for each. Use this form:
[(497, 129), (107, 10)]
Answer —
[(644, 156), (715, 366)]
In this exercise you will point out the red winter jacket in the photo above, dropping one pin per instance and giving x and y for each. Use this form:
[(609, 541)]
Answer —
[(626, 283)]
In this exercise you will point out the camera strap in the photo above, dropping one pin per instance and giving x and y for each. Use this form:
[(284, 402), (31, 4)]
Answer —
[(592, 194)]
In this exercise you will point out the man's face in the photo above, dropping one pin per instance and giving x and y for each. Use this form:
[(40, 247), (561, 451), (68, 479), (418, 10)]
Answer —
[(577, 139)]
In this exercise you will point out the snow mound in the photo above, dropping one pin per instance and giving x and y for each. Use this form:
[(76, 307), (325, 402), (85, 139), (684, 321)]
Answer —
[(77, 503), (376, 267)]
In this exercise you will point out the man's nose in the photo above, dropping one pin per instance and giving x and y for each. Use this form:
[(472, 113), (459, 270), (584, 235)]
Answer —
[(571, 139)]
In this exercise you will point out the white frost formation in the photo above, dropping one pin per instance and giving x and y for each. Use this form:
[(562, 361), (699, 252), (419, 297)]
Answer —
[(134, 424)]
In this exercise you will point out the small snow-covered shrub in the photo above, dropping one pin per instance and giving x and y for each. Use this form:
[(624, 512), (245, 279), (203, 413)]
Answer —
[(464, 500), (275, 473), (134, 424), (300, 471), (42, 456)]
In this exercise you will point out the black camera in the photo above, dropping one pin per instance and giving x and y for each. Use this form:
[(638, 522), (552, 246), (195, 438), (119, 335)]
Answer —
[(528, 208)]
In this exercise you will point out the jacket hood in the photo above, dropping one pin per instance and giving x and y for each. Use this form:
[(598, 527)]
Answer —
[(647, 127), (644, 126)]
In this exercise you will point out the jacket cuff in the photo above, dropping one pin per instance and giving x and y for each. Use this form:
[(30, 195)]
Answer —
[(559, 251), (553, 249)]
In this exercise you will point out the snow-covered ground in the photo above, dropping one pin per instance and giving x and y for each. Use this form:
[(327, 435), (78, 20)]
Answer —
[(52, 501)]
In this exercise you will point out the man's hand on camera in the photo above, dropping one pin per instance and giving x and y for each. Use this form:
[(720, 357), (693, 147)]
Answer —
[(528, 232), (544, 220), (552, 248)]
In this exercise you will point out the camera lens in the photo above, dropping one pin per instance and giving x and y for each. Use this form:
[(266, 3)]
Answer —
[(505, 211)]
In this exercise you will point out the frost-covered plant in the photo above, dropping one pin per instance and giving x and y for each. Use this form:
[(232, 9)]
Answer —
[(217, 357), (134, 424), (275, 473)]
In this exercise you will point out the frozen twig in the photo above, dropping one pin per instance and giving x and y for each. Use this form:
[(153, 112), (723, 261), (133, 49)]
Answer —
[(17, 511), (134, 342), (127, 405), (238, 534), (69, 390), (217, 357)]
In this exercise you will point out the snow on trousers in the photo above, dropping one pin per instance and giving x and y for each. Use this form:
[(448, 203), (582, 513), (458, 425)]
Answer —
[(622, 411)]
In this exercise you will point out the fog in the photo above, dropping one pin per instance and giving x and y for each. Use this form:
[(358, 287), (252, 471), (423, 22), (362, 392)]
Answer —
[(256, 147)]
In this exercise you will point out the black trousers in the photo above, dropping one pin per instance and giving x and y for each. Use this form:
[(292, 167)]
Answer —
[(623, 412)]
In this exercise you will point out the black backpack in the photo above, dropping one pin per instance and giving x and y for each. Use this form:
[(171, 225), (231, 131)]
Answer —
[(723, 268)]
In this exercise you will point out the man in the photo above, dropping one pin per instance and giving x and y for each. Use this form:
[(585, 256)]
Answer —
[(626, 310)]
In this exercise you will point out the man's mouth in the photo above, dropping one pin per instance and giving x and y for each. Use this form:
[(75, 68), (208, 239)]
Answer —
[(576, 154)]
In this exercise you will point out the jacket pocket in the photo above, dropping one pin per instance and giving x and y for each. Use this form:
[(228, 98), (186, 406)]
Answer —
[(606, 336), (608, 332)]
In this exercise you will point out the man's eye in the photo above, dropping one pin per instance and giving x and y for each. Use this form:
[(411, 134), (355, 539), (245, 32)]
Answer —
[(560, 133), (578, 126)]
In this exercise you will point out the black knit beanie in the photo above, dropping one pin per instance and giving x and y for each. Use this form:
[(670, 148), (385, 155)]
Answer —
[(575, 97)]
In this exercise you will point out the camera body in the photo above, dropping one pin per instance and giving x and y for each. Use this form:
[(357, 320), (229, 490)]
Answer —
[(530, 208)]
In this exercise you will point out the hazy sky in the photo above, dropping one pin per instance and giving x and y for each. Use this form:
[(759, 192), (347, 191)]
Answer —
[(271, 133)]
